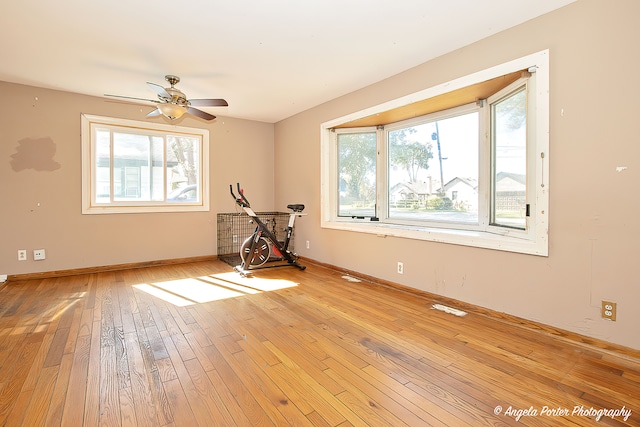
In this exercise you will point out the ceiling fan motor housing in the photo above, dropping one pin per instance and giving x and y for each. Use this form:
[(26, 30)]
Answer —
[(177, 96)]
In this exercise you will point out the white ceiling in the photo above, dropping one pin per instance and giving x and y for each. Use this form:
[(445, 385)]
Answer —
[(270, 59)]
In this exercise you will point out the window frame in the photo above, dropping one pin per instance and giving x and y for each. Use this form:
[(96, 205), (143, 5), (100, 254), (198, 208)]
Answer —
[(533, 240), (89, 173)]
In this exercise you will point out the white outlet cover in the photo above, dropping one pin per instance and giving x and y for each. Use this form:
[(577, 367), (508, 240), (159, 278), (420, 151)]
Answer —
[(39, 254)]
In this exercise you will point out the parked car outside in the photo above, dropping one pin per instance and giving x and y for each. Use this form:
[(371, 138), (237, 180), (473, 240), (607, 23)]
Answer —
[(185, 194)]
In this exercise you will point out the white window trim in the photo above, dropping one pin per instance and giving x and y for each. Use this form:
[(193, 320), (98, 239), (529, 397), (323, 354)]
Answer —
[(535, 242), (139, 207)]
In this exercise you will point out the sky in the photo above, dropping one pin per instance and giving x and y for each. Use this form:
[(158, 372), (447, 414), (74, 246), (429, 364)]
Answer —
[(459, 149)]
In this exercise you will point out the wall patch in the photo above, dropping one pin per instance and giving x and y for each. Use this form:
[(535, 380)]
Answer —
[(37, 154)]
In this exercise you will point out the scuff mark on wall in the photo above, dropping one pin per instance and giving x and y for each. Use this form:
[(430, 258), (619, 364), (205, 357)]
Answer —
[(440, 283), (37, 154)]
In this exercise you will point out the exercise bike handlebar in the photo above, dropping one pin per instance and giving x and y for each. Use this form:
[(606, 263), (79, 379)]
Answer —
[(241, 200)]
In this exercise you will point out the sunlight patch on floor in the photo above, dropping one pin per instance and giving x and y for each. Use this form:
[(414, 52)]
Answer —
[(47, 316), (64, 307), (197, 290), (163, 295), (215, 281), (183, 292), (261, 284)]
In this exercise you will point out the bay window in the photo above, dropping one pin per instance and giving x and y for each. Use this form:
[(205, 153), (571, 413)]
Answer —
[(465, 162)]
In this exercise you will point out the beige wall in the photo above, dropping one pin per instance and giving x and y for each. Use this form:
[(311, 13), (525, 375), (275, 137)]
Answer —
[(42, 209), (594, 210)]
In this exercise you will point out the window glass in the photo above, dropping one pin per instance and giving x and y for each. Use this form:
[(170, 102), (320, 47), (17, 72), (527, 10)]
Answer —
[(357, 174), (102, 190), (137, 167), (433, 170), (509, 185), (183, 159)]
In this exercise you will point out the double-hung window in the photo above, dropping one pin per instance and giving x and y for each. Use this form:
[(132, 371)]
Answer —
[(463, 163), (130, 166)]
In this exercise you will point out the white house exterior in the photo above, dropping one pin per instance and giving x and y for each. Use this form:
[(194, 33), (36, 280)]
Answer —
[(463, 193)]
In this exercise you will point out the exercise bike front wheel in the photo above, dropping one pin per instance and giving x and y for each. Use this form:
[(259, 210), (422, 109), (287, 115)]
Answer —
[(261, 252)]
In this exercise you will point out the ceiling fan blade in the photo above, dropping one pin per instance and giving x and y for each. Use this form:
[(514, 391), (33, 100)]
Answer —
[(131, 97), (159, 90), (200, 113), (208, 102), (155, 113)]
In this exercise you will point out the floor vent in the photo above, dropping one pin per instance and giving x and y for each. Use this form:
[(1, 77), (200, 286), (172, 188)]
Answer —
[(449, 310)]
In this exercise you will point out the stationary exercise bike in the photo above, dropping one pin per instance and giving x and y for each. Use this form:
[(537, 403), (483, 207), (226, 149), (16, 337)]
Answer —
[(263, 245)]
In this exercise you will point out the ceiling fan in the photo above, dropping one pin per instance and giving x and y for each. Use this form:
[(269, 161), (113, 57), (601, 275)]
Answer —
[(173, 103)]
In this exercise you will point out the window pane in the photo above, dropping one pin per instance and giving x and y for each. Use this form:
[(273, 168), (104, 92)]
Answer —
[(137, 167), (102, 189), (433, 171), (510, 161), (183, 168), (357, 174)]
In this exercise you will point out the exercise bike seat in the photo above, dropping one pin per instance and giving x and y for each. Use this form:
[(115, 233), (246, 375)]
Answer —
[(296, 207)]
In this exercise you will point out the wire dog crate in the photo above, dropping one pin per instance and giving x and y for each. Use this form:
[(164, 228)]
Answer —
[(235, 228)]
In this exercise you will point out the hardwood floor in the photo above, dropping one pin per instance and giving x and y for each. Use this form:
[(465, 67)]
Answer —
[(196, 344)]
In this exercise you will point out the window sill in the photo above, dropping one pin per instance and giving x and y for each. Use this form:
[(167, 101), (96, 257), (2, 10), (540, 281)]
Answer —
[(479, 239), (98, 210)]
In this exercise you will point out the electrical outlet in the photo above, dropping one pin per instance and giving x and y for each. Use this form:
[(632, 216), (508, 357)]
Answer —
[(400, 268), (22, 254), (39, 254), (235, 238), (609, 310), (307, 244)]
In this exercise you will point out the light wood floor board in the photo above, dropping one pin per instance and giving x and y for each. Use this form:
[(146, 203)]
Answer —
[(196, 344)]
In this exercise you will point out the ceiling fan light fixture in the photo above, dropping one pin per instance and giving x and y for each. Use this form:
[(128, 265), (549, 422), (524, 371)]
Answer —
[(172, 111)]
